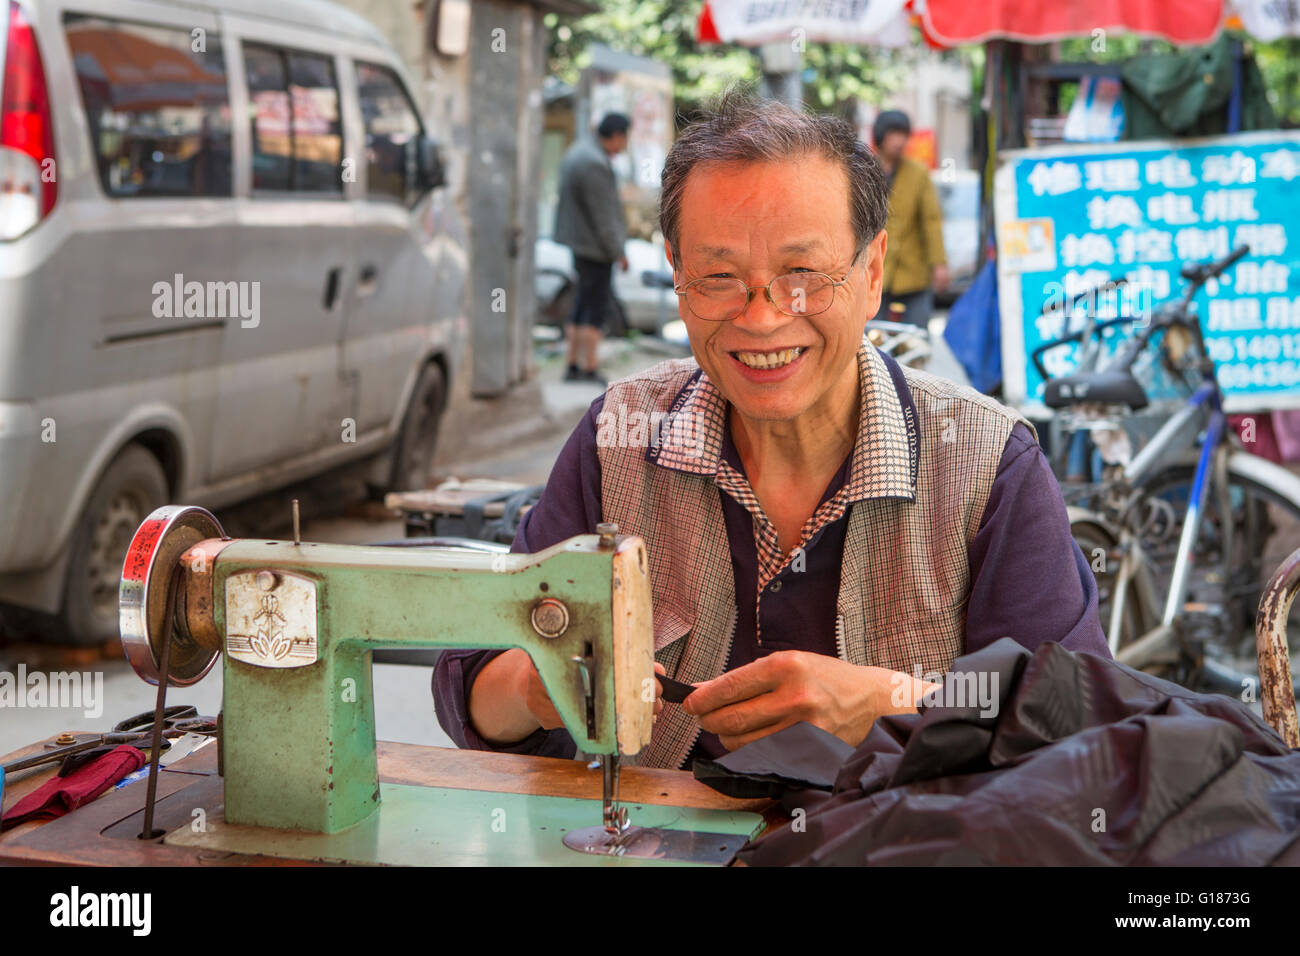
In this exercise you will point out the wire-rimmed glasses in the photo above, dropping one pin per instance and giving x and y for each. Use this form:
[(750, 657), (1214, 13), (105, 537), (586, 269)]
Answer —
[(718, 299)]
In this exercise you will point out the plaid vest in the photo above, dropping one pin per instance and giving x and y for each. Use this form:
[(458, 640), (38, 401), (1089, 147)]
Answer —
[(922, 468)]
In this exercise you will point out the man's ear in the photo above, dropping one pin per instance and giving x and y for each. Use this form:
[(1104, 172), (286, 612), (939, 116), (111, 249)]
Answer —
[(875, 265), (668, 251), (876, 261)]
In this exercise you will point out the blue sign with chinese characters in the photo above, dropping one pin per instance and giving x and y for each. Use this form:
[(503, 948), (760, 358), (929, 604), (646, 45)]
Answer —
[(1076, 218)]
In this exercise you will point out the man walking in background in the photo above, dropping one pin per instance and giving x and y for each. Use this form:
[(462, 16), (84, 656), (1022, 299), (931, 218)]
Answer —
[(915, 264), (590, 221)]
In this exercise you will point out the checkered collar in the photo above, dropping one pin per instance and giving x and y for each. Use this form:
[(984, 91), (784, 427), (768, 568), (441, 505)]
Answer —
[(885, 453)]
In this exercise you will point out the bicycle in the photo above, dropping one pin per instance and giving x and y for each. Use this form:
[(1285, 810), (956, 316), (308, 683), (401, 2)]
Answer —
[(908, 344), (1191, 514)]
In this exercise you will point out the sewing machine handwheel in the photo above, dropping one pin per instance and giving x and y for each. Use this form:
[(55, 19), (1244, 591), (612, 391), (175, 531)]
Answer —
[(153, 556)]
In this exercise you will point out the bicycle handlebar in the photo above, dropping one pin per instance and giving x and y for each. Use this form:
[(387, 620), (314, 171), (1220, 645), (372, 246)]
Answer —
[(1037, 354), (1197, 274), (1110, 285), (1231, 258)]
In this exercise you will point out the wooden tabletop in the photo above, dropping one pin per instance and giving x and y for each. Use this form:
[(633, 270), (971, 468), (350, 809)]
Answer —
[(103, 832)]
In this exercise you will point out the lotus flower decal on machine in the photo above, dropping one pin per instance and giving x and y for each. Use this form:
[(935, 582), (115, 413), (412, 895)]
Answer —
[(271, 619)]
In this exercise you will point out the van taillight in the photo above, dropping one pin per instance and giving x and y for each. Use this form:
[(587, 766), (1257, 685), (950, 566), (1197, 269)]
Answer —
[(28, 175)]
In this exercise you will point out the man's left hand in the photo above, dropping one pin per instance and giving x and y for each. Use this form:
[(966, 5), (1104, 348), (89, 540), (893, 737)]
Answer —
[(786, 687)]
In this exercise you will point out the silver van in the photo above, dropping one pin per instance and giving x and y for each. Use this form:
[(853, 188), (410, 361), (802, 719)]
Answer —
[(223, 268)]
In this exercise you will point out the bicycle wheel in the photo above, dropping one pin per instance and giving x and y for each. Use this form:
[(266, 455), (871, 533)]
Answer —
[(1099, 549), (1231, 570)]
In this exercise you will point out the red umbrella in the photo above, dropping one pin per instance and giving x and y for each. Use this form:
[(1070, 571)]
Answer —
[(1183, 22), (704, 28)]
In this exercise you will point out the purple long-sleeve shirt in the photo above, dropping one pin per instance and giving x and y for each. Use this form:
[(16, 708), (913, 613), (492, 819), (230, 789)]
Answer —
[(1028, 578)]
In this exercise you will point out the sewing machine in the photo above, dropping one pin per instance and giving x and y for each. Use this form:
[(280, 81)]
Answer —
[(298, 622)]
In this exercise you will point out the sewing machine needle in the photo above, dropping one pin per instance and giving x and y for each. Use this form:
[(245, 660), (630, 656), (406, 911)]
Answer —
[(614, 816)]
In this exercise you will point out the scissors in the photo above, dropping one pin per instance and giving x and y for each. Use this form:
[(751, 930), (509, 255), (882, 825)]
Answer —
[(178, 720)]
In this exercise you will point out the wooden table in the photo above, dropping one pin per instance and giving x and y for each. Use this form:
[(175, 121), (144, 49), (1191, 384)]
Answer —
[(103, 832)]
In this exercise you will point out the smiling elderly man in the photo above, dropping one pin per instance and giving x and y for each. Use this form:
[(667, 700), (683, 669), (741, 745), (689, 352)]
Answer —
[(825, 527)]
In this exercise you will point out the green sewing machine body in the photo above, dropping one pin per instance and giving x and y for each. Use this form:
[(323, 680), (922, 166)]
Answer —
[(298, 623), (299, 735)]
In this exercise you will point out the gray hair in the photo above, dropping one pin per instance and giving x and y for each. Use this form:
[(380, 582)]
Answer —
[(741, 128)]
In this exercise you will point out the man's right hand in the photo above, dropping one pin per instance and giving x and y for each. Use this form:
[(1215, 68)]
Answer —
[(622, 263)]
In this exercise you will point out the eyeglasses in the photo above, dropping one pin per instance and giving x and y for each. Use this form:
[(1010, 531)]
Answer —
[(716, 299)]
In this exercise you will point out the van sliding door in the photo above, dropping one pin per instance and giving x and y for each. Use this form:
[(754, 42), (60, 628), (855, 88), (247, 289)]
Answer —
[(283, 394)]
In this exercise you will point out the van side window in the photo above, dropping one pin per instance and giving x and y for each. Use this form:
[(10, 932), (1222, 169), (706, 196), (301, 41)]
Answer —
[(392, 133), (297, 130), (157, 106)]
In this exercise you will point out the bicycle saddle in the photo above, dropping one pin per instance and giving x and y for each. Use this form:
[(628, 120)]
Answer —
[(1108, 388)]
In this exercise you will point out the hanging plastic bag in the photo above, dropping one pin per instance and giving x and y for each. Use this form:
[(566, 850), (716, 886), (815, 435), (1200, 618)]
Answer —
[(974, 330)]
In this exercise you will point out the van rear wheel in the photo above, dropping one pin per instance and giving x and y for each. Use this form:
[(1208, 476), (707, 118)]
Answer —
[(418, 439), (132, 486)]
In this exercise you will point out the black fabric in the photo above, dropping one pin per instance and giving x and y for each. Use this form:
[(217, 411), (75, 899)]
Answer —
[(674, 690), (801, 756), (1080, 761), (594, 298)]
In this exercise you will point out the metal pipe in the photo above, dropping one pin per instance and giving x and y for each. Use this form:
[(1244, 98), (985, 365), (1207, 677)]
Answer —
[(1277, 693), (1168, 436), (148, 832), (1147, 647), (1118, 599), (1192, 522)]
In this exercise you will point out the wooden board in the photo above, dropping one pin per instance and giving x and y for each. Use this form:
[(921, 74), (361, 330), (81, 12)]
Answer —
[(103, 832), (450, 497)]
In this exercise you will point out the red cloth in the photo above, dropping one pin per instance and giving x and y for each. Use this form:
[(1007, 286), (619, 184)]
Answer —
[(1184, 22), (59, 795), (1286, 428)]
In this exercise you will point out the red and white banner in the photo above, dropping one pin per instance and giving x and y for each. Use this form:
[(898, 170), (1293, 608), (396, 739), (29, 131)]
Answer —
[(755, 22), (1183, 22)]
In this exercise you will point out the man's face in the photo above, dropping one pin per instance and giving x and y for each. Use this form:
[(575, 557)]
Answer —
[(755, 222), (616, 143), (892, 146)]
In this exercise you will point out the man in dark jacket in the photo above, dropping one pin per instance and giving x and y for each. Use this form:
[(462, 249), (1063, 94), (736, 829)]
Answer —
[(590, 221)]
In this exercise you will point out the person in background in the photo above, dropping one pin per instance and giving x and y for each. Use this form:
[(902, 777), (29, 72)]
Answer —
[(915, 264), (590, 221)]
